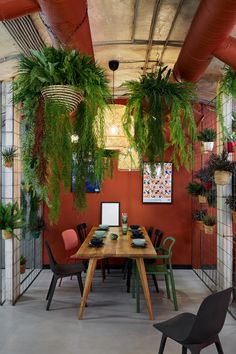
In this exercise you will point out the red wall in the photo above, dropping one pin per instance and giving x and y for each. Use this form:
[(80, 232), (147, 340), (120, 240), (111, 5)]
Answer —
[(126, 187)]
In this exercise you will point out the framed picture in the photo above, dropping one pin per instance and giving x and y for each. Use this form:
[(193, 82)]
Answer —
[(157, 187), (91, 187), (110, 213)]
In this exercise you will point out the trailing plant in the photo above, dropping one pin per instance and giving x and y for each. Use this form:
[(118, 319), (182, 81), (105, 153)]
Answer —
[(199, 214), (220, 162), (8, 155), (207, 135), (209, 220), (230, 137), (211, 195), (205, 174), (11, 217), (151, 98), (231, 202), (37, 226), (195, 189), (22, 260), (47, 147)]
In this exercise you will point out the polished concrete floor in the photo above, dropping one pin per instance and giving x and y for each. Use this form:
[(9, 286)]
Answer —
[(110, 325)]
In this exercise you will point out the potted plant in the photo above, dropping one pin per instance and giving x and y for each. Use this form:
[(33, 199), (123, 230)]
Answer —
[(231, 141), (197, 190), (207, 137), (37, 226), (209, 222), (22, 264), (8, 155), (222, 167), (48, 123), (206, 176), (151, 98), (231, 202), (11, 218), (198, 216)]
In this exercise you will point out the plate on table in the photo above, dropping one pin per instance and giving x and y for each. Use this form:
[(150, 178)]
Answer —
[(134, 227), (94, 244), (139, 246)]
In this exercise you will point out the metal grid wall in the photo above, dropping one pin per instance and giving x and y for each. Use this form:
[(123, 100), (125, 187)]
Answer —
[(2, 249), (214, 255)]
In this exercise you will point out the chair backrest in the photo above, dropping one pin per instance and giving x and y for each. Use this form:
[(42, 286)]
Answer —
[(150, 231), (167, 244), (157, 238), (70, 239), (52, 261), (82, 231), (210, 317)]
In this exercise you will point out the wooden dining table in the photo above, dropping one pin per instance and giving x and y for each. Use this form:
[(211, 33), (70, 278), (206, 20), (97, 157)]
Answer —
[(122, 247)]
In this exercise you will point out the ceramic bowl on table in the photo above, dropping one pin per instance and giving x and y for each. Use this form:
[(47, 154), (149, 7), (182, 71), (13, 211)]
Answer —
[(136, 232), (100, 233), (134, 227), (103, 227), (96, 242), (139, 242), (114, 236)]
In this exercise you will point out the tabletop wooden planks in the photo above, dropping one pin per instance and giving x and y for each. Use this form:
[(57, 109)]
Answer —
[(119, 248)]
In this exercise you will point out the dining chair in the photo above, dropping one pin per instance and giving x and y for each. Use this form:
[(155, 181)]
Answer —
[(61, 271), (195, 332), (104, 263)]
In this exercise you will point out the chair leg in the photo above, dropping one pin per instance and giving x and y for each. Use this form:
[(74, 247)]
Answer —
[(81, 286), (125, 269), (129, 273), (54, 283), (50, 287), (60, 283), (108, 265), (173, 290), (167, 286), (155, 283), (218, 346), (103, 270), (184, 350), (162, 345)]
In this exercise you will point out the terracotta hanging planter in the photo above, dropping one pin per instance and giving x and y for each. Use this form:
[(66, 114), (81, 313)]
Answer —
[(6, 235), (209, 230), (202, 199), (222, 177), (63, 94), (22, 268), (8, 164), (199, 224)]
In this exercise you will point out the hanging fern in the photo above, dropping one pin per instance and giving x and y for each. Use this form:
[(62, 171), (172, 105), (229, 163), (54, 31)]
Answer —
[(47, 125), (151, 98)]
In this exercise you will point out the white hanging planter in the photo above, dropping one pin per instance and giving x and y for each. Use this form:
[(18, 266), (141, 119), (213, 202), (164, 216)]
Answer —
[(63, 94), (207, 145)]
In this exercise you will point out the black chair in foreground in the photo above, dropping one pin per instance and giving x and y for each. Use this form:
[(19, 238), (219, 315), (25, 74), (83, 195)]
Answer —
[(195, 332), (62, 271)]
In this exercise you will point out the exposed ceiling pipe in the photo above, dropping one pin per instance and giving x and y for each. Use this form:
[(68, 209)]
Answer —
[(66, 19), (210, 29)]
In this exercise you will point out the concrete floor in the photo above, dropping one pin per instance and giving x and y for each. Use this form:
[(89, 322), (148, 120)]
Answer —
[(110, 324)]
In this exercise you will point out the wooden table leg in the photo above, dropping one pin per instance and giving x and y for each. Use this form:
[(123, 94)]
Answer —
[(143, 278), (88, 281)]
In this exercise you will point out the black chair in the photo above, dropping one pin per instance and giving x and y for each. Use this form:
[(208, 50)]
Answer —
[(158, 236), (82, 231), (150, 232), (195, 332), (62, 271)]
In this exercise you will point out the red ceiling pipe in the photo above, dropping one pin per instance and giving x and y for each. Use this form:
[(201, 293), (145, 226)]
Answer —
[(210, 28), (226, 52), (11, 9), (68, 20)]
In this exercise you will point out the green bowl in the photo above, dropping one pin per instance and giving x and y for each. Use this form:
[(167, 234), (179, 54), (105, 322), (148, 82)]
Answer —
[(100, 233), (114, 236)]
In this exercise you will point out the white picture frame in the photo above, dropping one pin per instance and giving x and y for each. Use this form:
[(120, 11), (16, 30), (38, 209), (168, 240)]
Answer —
[(110, 213)]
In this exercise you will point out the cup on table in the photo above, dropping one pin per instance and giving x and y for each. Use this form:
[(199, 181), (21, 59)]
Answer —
[(124, 229), (124, 218)]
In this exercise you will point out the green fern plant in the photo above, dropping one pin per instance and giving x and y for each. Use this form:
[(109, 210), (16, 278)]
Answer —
[(11, 217), (151, 98), (46, 147), (207, 135), (8, 155)]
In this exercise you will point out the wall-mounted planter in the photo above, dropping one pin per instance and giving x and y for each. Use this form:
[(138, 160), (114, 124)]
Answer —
[(222, 177), (209, 230), (6, 235), (231, 146), (199, 224), (202, 199), (207, 146), (8, 164)]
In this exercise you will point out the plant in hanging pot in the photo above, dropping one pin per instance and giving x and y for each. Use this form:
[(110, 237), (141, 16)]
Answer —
[(209, 222), (47, 148), (11, 218), (152, 97), (231, 202), (197, 190), (22, 264), (206, 176), (198, 216), (8, 155), (222, 167), (207, 137), (231, 141)]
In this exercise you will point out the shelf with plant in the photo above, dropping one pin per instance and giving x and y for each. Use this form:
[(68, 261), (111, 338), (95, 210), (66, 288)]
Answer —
[(209, 222), (207, 137), (198, 216), (11, 218), (22, 264), (222, 167), (151, 99), (197, 190), (231, 202), (8, 155), (48, 123)]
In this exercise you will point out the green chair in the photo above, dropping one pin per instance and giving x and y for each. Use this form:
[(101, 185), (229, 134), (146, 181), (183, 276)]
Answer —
[(162, 266)]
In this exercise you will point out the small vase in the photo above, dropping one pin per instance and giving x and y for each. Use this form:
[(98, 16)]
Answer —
[(124, 229), (222, 177), (209, 229), (22, 268), (124, 218), (6, 235), (208, 145)]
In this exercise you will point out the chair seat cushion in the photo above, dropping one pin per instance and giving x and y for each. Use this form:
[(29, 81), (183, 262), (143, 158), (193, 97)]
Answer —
[(178, 327), (68, 269)]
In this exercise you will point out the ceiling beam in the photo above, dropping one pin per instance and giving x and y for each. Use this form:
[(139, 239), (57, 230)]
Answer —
[(136, 2), (138, 42)]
